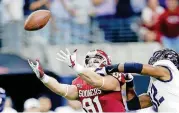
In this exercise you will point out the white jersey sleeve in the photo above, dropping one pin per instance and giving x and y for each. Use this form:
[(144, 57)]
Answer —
[(166, 63)]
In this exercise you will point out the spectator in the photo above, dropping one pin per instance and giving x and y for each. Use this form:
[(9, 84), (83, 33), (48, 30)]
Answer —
[(43, 34), (168, 25), (79, 11), (3, 98), (124, 9), (45, 104), (104, 11), (138, 6), (150, 15), (73, 107), (32, 105), (33, 5), (8, 106), (71, 24), (12, 10), (104, 8), (162, 3), (60, 29), (12, 16)]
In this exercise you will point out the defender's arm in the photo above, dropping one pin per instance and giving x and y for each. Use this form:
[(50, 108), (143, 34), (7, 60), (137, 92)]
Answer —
[(133, 101), (145, 100), (159, 72)]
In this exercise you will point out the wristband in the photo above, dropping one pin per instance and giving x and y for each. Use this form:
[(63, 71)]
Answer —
[(45, 79), (133, 68)]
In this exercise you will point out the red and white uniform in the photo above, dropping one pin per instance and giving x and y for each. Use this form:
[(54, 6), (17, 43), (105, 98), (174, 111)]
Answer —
[(168, 24), (96, 100)]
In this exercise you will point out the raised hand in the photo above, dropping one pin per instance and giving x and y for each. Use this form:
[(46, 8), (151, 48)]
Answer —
[(37, 68), (68, 58)]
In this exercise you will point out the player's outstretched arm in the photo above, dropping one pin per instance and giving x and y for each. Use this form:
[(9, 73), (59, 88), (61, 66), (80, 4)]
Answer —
[(158, 72), (135, 102), (68, 91), (90, 76), (109, 82)]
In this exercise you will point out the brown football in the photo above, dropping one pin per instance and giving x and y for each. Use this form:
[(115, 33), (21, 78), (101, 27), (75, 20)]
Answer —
[(37, 20)]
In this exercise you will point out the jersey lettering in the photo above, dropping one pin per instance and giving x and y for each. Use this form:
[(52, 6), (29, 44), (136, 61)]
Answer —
[(156, 102), (88, 104), (90, 92)]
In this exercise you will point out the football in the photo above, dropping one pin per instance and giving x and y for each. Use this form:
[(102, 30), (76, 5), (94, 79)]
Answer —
[(37, 20)]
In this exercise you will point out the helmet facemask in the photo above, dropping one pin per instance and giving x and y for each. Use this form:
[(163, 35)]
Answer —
[(96, 59), (95, 62)]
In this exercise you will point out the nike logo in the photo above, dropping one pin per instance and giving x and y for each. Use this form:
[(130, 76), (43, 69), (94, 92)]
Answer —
[(110, 70)]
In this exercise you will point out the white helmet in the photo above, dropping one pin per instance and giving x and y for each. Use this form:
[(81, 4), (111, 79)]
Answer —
[(97, 58)]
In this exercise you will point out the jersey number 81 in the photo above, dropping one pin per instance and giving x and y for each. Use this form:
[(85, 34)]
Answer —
[(89, 105)]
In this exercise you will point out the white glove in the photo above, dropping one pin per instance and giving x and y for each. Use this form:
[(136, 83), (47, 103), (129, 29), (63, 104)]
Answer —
[(70, 60), (129, 77), (38, 70)]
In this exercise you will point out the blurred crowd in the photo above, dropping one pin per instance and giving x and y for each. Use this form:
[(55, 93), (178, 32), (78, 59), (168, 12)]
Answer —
[(89, 21), (161, 24), (41, 104)]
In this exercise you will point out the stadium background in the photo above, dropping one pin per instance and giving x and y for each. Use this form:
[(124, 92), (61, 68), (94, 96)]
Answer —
[(110, 25)]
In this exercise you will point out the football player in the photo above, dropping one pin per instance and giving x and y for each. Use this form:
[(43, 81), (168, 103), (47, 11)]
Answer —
[(2, 99), (96, 92), (163, 93)]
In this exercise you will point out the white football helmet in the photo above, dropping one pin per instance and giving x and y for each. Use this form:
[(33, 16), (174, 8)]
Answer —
[(97, 58)]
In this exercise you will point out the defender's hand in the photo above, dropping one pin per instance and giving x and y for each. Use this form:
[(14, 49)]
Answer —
[(37, 68), (68, 58), (129, 77)]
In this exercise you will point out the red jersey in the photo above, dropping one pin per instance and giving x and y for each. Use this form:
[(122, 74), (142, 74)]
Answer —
[(168, 24), (96, 100)]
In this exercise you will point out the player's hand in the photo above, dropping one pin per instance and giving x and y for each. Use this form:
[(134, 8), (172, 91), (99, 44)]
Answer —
[(68, 58), (37, 68), (128, 77)]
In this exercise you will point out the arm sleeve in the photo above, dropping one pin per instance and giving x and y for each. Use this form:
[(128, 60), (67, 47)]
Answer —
[(166, 63), (134, 104)]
